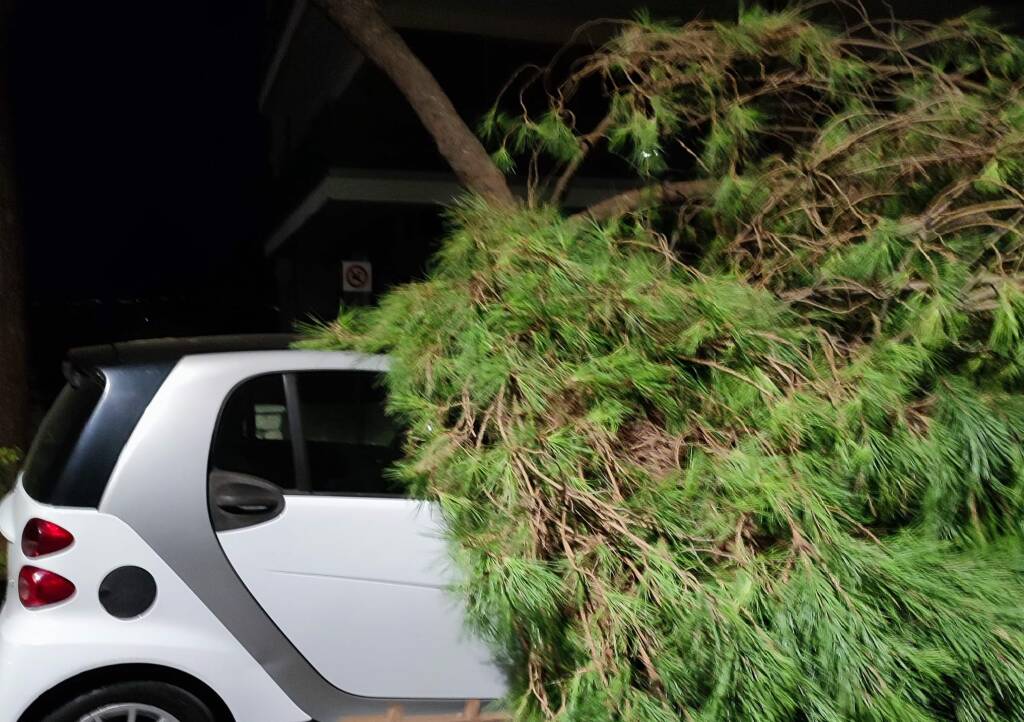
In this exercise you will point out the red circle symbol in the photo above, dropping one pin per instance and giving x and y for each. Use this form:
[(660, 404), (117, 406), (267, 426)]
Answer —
[(356, 276)]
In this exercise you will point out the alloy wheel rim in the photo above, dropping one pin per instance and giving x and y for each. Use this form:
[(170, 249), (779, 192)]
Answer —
[(128, 712)]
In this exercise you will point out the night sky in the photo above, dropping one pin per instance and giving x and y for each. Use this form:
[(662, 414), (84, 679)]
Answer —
[(140, 149), (141, 169)]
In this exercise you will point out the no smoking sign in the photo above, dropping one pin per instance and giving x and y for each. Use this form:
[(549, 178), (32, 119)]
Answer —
[(356, 276)]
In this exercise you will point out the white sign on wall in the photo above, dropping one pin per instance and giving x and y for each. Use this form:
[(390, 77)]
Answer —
[(356, 276)]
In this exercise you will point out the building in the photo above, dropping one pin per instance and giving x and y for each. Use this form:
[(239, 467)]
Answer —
[(354, 175)]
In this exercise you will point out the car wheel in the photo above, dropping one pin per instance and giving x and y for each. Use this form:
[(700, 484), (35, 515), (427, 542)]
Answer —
[(134, 702)]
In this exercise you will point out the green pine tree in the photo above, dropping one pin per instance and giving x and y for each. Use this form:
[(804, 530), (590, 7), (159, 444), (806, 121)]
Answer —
[(746, 445)]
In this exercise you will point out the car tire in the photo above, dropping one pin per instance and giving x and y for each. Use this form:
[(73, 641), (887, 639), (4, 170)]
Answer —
[(149, 699)]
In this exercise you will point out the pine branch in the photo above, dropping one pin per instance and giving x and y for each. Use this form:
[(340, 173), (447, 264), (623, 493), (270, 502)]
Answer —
[(668, 193)]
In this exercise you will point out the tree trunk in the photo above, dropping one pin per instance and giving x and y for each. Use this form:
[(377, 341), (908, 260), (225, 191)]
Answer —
[(362, 22), (13, 366), (648, 197)]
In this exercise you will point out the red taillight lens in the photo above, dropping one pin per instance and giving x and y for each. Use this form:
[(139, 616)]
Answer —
[(44, 537), (39, 587)]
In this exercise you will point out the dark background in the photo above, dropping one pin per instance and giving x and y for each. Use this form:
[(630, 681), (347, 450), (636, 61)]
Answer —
[(140, 159), (150, 176)]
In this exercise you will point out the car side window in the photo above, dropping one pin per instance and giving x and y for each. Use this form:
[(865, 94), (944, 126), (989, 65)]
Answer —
[(350, 442), (252, 435)]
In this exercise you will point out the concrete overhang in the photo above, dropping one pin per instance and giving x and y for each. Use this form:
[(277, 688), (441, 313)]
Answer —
[(411, 188), (541, 21)]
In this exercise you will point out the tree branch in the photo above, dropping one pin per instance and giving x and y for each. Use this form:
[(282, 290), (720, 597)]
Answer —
[(586, 144), (362, 22), (646, 197)]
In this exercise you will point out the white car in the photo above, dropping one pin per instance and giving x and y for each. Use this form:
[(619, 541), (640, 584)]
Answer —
[(205, 530)]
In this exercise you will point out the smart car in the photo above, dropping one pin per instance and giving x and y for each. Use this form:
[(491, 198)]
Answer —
[(206, 529)]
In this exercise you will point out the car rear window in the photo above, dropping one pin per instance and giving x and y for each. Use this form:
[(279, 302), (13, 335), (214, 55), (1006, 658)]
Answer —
[(59, 433), (81, 439)]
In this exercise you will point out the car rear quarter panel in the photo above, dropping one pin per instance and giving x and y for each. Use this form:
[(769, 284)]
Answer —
[(41, 648)]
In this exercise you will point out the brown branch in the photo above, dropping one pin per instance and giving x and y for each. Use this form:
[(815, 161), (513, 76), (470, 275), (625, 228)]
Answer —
[(587, 143), (647, 197), (361, 20)]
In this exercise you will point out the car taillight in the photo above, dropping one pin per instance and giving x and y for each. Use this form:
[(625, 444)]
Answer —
[(43, 537), (39, 587)]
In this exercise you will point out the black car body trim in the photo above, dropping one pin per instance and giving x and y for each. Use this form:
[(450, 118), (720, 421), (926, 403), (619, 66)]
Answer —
[(80, 477)]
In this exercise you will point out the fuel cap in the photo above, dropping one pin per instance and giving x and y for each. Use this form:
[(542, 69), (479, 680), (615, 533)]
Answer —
[(128, 592)]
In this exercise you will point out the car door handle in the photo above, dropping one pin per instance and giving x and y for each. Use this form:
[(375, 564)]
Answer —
[(232, 507), (240, 500), (245, 503)]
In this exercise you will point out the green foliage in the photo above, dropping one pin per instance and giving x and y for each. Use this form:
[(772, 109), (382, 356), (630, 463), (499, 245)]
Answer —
[(729, 136), (504, 160), (637, 136), (9, 461), (768, 465)]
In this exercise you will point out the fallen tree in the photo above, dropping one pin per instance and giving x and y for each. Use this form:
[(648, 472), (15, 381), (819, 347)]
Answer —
[(746, 443)]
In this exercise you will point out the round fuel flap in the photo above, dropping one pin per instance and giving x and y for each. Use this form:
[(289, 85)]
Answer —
[(127, 592)]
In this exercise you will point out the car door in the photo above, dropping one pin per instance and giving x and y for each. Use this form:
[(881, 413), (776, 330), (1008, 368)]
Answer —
[(354, 573)]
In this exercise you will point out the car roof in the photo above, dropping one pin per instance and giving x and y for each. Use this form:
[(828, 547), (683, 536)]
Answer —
[(172, 349)]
